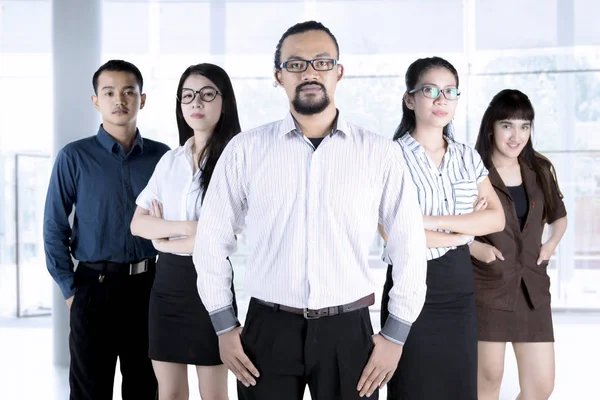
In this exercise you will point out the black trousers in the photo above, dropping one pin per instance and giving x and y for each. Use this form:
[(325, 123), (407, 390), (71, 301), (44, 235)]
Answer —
[(290, 352), (109, 319)]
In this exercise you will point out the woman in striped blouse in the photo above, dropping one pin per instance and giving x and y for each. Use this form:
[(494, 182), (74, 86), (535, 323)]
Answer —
[(439, 359)]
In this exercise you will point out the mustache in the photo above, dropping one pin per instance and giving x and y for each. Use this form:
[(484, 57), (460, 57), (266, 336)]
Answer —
[(303, 85)]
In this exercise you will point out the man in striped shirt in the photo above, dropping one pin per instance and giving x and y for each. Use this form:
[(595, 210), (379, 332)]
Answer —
[(310, 190)]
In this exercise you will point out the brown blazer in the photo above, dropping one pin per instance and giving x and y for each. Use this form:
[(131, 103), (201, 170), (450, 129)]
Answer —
[(497, 283)]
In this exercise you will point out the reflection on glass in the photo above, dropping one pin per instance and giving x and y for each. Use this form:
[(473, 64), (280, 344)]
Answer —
[(34, 296), (374, 103), (582, 196), (8, 290)]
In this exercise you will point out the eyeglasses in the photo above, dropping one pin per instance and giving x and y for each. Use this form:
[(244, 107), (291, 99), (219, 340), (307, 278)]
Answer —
[(433, 92), (207, 94), (318, 64)]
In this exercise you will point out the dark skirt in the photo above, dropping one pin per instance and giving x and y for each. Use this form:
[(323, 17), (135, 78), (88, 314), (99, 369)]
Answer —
[(439, 360), (524, 324), (179, 327)]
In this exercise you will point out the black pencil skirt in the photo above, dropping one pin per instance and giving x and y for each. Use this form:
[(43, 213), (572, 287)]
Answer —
[(439, 360), (179, 327)]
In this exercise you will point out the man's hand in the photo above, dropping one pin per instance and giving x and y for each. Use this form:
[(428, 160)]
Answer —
[(380, 367), (70, 301), (233, 356)]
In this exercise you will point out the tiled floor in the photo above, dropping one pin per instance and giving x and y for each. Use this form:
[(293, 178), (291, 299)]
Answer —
[(26, 370)]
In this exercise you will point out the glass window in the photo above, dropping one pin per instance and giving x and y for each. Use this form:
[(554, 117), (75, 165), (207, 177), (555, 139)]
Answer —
[(553, 56)]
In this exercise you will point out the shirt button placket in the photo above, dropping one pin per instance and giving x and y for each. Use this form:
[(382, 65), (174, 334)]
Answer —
[(444, 192), (127, 192), (314, 182)]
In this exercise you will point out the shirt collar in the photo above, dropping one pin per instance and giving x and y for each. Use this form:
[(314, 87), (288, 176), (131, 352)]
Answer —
[(416, 147), (108, 142), (187, 146), (411, 143), (187, 151), (289, 125)]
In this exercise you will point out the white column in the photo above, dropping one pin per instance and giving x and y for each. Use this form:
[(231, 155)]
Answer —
[(76, 55), (565, 163), (218, 21)]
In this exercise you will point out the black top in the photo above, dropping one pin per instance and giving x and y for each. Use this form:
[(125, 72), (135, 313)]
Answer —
[(519, 197), (316, 141)]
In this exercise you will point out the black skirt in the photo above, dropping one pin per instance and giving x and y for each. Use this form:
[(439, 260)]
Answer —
[(439, 360), (179, 327)]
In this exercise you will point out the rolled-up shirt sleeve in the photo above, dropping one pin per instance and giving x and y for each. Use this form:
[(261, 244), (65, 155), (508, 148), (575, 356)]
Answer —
[(401, 217), (60, 198), (222, 215)]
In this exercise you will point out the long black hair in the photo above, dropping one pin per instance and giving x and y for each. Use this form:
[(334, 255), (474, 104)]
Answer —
[(412, 76), (227, 127), (514, 104)]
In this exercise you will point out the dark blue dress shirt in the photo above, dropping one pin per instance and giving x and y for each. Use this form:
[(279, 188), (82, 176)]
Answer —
[(97, 177)]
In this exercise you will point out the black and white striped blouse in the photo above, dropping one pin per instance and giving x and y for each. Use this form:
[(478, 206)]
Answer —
[(451, 189)]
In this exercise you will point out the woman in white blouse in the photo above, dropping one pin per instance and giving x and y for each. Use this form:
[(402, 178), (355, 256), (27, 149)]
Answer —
[(180, 330), (439, 360)]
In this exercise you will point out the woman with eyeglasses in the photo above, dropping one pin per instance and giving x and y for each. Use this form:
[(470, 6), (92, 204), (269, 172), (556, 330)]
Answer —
[(180, 329), (439, 359), (512, 286)]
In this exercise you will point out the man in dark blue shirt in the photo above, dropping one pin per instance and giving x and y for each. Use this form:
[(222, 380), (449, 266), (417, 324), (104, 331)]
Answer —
[(108, 293)]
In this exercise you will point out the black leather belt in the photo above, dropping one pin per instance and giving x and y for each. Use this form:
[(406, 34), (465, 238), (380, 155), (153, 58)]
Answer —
[(111, 268), (323, 312)]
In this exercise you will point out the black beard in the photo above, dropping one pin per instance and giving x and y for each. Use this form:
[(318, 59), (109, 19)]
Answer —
[(309, 107)]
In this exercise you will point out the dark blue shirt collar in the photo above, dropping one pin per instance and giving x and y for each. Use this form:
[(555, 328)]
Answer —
[(108, 142)]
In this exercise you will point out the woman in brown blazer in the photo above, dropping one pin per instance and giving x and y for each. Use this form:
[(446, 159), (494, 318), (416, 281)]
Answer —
[(512, 287)]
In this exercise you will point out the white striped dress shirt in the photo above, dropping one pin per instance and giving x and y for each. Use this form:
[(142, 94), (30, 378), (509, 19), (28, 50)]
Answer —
[(450, 189), (310, 216)]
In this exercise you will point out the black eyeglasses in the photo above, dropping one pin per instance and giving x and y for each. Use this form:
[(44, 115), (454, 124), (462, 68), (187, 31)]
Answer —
[(433, 92), (318, 64), (207, 94)]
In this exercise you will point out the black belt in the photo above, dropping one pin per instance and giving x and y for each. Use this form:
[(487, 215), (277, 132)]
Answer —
[(323, 312), (112, 268)]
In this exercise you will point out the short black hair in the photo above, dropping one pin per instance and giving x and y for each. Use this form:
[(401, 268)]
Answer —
[(118, 66), (301, 28)]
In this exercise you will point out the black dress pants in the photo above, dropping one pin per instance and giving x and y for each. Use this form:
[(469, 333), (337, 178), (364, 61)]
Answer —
[(327, 354), (109, 319)]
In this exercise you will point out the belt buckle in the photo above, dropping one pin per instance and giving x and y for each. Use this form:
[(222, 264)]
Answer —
[(307, 314), (138, 268)]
